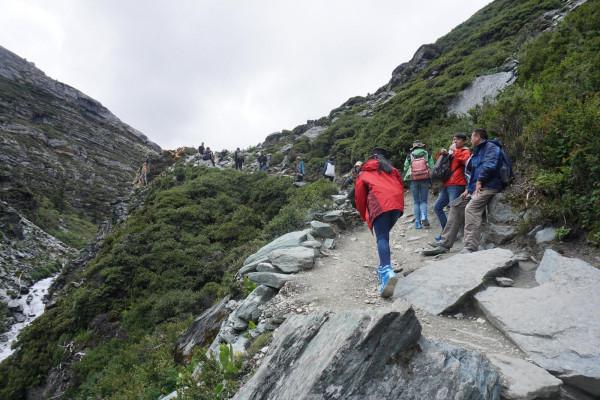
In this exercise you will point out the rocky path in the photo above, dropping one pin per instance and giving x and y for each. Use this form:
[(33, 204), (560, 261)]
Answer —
[(345, 280)]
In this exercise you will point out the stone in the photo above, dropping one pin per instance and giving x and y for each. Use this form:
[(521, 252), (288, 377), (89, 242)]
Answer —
[(291, 239), (522, 380), (240, 345), (203, 329), (270, 279), (559, 328), (170, 396), (499, 234), (322, 230), (504, 281), (500, 211), (545, 235), (441, 285), (366, 355), (339, 198), (293, 259), (483, 88), (313, 244), (335, 217), (267, 267), (249, 308), (329, 244), (15, 307)]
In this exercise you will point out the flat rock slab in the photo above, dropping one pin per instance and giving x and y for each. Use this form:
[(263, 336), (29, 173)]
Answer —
[(522, 380), (249, 310), (293, 259), (291, 239), (322, 230), (270, 279), (441, 285), (360, 355), (557, 323)]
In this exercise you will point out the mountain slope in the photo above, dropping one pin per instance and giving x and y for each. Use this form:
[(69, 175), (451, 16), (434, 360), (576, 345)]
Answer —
[(63, 156)]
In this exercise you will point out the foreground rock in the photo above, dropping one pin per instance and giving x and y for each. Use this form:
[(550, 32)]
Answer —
[(293, 259), (356, 355), (441, 285), (292, 239), (557, 323), (522, 380)]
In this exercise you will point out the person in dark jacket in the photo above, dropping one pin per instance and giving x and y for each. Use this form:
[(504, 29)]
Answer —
[(483, 183), (379, 198)]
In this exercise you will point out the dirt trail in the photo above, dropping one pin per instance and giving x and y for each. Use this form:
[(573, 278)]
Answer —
[(346, 280)]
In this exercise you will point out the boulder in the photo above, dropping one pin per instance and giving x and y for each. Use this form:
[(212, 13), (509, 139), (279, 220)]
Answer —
[(545, 235), (329, 244), (266, 267), (249, 308), (291, 239), (322, 230), (339, 198), (366, 355), (499, 234), (522, 380), (559, 328), (313, 244), (270, 279), (501, 212), (441, 285), (293, 259)]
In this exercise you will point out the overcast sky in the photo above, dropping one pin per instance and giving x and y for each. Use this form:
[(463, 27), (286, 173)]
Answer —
[(223, 72)]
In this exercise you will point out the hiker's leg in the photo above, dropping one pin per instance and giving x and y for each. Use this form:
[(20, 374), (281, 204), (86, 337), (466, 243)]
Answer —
[(438, 207), (424, 189), (382, 226), (414, 189), (456, 219), (473, 218)]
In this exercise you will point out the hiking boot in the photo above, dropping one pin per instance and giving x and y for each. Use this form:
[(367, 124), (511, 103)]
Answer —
[(438, 238), (436, 251), (425, 223), (435, 244), (418, 224), (387, 281)]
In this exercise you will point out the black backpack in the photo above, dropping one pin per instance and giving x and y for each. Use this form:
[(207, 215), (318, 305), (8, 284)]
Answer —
[(505, 171), (441, 170)]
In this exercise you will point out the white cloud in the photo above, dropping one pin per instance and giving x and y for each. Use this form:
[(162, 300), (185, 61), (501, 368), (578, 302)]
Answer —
[(225, 72)]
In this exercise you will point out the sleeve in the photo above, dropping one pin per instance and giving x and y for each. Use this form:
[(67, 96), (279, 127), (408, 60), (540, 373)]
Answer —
[(489, 163), (406, 170), (360, 197), (430, 161), (462, 156)]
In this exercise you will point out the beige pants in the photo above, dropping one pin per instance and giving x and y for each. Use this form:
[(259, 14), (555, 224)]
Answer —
[(470, 212)]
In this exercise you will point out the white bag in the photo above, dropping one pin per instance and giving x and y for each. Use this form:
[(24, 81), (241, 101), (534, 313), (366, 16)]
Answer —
[(330, 171)]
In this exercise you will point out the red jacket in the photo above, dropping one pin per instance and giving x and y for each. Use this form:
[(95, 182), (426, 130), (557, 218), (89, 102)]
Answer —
[(458, 163), (377, 192)]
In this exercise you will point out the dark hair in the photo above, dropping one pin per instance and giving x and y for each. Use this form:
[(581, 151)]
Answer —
[(460, 135), (384, 164), (481, 132)]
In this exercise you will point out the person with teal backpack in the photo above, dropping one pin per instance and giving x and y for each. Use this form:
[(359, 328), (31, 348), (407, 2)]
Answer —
[(417, 170)]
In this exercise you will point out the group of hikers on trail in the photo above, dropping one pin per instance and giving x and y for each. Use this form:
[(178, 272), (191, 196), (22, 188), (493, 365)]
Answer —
[(206, 154), (470, 180)]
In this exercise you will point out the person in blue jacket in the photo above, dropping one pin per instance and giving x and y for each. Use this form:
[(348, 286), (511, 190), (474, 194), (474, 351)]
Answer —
[(483, 176)]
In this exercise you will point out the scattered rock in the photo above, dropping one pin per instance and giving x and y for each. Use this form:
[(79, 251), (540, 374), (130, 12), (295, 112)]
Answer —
[(313, 244), (559, 329), (293, 259), (249, 308), (269, 279), (441, 285), (545, 235), (267, 267), (504, 282), (522, 380), (292, 239), (322, 230), (329, 244), (499, 234)]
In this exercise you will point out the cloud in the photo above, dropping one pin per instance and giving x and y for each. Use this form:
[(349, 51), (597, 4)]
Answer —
[(223, 72)]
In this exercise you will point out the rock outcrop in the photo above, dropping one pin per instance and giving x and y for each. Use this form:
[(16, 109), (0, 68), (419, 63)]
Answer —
[(366, 355), (441, 285), (556, 323)]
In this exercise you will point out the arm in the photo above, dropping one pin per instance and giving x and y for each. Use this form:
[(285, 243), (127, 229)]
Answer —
[(430, 162), (360, 197), (489, 163), (462, 156)]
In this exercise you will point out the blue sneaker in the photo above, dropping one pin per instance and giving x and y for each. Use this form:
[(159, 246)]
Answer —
[(418, 224), (387, 281), (438, 238)]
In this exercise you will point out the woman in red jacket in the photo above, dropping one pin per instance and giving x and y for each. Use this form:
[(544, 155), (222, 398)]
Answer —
[(379, 196), (455, 184)]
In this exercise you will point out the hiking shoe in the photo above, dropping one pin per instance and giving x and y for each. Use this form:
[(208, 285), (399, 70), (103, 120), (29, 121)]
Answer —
[(466, 250), (387, 282), (436, 251), (438, 238), (435, 244), (425, 223), (418, 224)]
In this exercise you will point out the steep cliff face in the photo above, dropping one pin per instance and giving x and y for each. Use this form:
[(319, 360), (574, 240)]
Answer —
[(63, 156)]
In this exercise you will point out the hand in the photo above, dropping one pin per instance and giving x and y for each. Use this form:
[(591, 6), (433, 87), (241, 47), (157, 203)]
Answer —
[(464, 194), (478, 187), (452, 147), (443, 151)]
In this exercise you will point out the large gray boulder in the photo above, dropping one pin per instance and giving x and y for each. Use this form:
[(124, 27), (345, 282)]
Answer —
[(360, 355), (557, 323), (293, 259), (270, 279), (522, 380), (291, 239), (441, 285), (249, 310), (322, 230)]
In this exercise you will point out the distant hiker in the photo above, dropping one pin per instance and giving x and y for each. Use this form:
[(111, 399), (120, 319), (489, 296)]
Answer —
[(238, 158), (379, 197), (201, 149), (209, 156), (222, 155), (299, 169), (145, 171), (454, 184), (329, 169), (483, 183), (417, 169), (349, 181), (262, 162)]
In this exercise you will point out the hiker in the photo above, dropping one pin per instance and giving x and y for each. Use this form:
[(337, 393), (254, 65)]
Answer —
[(201, 149), (238, 158), (209, 156), (483, 183), (417, 169), (299, 169), (379, 197), (262, 162), (455, 184), (329, 169), (145, 170)]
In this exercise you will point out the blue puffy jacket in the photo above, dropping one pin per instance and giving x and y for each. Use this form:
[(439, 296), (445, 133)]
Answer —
[(484, 166)]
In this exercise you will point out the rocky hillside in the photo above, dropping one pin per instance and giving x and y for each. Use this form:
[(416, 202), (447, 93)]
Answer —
[(63, 156)]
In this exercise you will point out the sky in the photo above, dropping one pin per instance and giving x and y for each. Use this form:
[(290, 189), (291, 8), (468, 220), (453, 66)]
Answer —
[(227, 73)]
